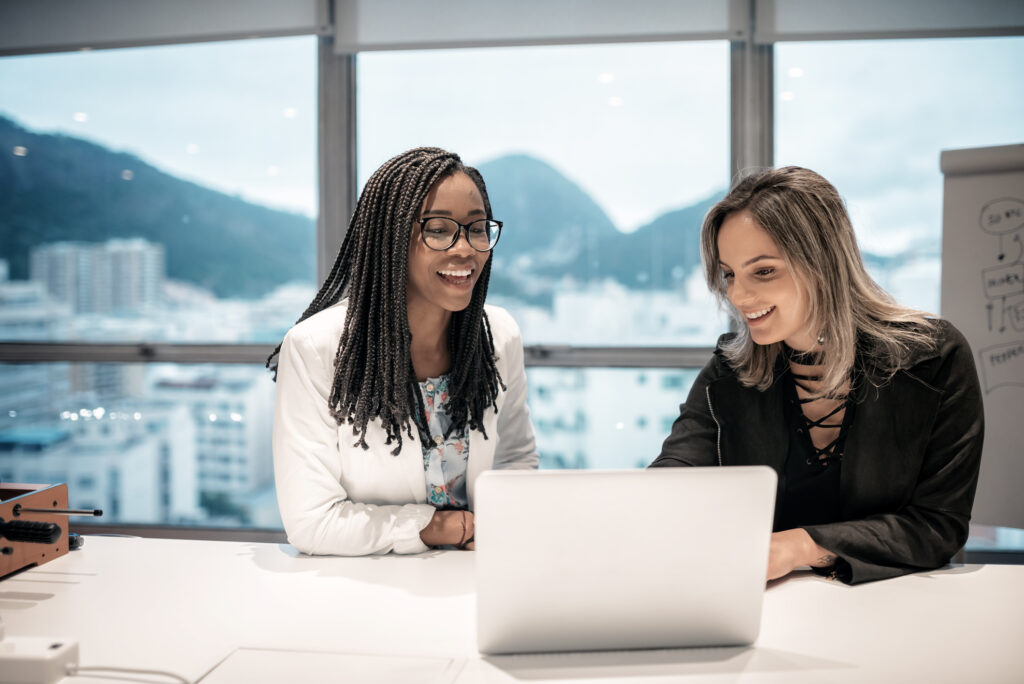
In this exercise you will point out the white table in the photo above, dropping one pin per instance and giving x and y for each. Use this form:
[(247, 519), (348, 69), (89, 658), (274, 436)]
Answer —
[(236, 611)]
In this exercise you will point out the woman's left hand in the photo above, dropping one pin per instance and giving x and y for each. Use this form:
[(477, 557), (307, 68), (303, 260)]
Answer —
[(792, 548)]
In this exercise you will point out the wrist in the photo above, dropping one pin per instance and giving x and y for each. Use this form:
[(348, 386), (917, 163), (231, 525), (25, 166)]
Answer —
[(814, 555), (431, 534)]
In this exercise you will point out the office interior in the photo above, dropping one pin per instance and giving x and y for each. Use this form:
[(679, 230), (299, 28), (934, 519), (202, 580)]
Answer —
[(206, 157)]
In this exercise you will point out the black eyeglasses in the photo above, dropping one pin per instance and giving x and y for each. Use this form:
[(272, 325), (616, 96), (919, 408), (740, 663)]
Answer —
[(440, 233)]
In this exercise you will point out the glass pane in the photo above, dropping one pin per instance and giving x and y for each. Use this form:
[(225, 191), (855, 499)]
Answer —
[(158, 444), (600, 159), (873, 116), (164, 194), (191, 445), (604, 417)]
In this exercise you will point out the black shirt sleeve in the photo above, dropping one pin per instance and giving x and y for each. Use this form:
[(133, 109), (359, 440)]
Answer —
[(694, 437), (933, 524)]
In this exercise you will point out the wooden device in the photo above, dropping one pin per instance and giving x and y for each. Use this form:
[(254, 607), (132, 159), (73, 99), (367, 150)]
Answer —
[(22, 554)]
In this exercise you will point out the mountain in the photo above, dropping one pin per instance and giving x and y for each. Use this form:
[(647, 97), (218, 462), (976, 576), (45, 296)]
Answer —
[(659, 255), (546, 216), (554, 229), (64, 188)]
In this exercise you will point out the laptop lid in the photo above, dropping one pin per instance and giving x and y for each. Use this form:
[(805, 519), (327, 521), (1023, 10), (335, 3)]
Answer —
[(587, 560)]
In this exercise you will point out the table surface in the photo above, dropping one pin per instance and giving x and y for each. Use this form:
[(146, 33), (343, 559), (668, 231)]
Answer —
[(236, 611)]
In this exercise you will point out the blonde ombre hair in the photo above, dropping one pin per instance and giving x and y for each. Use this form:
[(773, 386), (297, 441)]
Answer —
[(846, 309)]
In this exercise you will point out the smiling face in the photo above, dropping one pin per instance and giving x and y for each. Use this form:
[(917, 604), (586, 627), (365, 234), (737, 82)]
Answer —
[(761, 285), (443, 282)]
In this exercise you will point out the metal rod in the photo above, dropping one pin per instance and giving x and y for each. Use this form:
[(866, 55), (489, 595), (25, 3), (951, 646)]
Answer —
[(19, 509)]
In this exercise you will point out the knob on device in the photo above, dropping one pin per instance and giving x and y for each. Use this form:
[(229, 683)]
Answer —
[(30, 531), (29, 538)]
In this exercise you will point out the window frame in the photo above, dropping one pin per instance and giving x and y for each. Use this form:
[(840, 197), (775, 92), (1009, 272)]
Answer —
[(752, 107)]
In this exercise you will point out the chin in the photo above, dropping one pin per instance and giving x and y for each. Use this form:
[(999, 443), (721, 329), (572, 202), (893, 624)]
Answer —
[(455, 305), (763, 339)]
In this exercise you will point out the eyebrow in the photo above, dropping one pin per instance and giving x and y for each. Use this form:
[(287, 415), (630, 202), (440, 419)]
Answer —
[(445, 212), (751, 261)]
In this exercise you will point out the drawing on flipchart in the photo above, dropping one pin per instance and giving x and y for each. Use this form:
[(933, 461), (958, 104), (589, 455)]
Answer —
[(1003, 364), (1004, 282)]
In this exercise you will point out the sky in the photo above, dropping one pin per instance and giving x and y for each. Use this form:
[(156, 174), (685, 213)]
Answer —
[(643, 127), (236, 116)]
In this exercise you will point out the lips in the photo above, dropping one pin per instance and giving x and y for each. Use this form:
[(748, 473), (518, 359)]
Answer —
[(456, 276), (759, 314)]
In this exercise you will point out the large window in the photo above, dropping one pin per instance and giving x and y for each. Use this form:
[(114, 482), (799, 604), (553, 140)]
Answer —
[(147, 443), (601, 160), (159, 194), (873, 116), (604, 417)]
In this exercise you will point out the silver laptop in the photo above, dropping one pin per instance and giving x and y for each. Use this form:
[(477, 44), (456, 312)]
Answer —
[(572, 560)]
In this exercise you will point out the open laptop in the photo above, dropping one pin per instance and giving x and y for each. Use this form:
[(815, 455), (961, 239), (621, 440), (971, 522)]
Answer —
[(588, 560)]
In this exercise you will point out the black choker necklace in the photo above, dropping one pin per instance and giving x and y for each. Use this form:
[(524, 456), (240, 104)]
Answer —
[(804, 358)]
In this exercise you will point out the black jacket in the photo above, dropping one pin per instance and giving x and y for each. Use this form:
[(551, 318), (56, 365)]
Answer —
[(910, 464)]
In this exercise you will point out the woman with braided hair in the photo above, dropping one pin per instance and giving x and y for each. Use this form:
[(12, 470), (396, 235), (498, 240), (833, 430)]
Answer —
[(398, 386)]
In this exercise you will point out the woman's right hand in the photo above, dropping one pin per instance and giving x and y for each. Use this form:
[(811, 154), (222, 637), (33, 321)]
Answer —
[(449, 528)]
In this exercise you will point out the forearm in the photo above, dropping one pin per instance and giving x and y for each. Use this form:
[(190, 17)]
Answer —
[(791, 549), (347, 528), (815, 555), (893, 544)]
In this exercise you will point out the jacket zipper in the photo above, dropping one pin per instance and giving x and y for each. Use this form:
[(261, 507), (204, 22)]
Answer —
[(711, 409)]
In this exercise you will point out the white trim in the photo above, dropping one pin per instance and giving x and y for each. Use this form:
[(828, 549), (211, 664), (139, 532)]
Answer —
[(364, 25), (814, 20), (41, 26)]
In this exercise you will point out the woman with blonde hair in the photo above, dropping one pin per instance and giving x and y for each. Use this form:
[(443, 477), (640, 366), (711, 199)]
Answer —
[(870, 412)]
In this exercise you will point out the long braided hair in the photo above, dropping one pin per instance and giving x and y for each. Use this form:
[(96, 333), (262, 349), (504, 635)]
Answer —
[(373, 373)]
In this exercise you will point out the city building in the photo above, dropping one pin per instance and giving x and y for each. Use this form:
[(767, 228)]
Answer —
[(135, 465), (230, 411), (116, 276)]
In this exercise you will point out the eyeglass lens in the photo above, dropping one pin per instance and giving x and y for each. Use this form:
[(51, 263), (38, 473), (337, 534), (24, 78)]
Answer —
[(441, 233)]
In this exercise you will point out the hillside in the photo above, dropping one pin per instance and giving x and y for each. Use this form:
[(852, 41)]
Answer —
[(65, 188)]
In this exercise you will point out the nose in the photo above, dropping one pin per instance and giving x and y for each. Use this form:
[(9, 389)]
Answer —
[(462, 245), (738, 293)]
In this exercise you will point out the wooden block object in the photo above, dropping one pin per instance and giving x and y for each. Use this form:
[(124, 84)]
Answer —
[(24, 555)]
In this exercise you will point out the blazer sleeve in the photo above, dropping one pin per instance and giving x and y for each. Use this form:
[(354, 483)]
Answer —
[(318, 516), (517, 446), (933, 525), (694, 437)]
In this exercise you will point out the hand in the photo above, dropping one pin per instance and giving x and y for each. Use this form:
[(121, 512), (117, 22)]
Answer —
[(792, 548), (449, 528)]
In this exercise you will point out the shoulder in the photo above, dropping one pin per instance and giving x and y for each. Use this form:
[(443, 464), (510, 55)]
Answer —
[(320, 332), (723, 340), (950, 355), (946, 340), (719, 367), (504, 328)]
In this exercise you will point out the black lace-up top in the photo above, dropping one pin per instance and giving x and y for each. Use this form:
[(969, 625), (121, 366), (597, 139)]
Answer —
[(810, 489)]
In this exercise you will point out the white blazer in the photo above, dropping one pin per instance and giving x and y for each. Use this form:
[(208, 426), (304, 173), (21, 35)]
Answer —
[(337, 498)]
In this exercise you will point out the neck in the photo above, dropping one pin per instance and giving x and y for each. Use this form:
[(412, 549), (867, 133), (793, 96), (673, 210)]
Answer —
[(803, 358), (429, 345)]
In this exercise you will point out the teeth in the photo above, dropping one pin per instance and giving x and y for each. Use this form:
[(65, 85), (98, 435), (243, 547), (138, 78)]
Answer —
[(458, 273), (758, 314)]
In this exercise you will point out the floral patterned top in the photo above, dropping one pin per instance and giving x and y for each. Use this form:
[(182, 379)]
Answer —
[(444, 460)]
